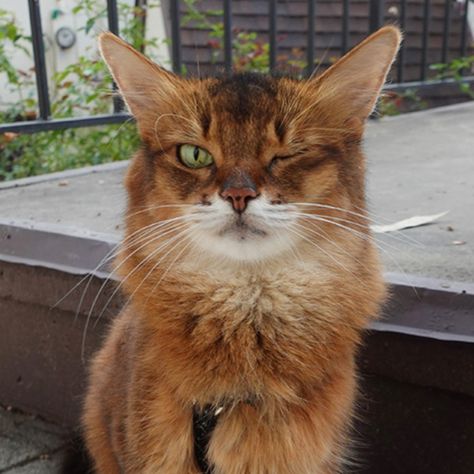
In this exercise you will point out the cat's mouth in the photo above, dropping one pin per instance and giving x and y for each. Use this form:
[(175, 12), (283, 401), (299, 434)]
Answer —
[(256, 233), (241, 228)]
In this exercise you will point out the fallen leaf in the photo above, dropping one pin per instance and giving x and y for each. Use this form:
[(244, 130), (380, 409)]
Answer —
[(458, 242), (415, 221), (63, 183)]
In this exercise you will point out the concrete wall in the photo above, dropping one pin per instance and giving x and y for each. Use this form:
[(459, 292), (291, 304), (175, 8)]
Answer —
[(416, 402)]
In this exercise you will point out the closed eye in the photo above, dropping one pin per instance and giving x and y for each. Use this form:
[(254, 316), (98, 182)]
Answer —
[(278, 158), (315, 155)]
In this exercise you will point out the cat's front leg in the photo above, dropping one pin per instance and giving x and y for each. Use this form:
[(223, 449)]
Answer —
[(159, 434), (98, 438), (306, 438)]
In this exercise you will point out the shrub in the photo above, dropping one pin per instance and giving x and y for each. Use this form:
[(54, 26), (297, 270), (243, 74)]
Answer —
[(82, 88), (454, 70)]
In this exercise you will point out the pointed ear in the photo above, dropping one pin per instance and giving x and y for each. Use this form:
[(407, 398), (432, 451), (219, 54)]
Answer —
[(352, 85), (141, 82)]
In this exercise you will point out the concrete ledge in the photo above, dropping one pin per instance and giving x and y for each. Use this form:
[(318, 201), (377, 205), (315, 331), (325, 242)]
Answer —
[(64, 175), (418, 164)]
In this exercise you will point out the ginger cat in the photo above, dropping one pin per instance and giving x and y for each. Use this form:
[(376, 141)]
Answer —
[(248, 266)]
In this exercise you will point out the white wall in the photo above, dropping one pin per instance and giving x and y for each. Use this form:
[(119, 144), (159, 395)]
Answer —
[(57, 59)]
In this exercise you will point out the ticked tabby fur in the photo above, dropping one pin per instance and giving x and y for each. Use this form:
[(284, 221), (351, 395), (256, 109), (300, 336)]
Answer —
[(247, 267)]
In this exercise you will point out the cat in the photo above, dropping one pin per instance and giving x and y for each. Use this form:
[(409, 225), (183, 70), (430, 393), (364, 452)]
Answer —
[(247, 266)]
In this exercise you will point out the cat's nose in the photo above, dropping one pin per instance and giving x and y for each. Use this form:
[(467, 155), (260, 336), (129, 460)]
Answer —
[(239, 197)]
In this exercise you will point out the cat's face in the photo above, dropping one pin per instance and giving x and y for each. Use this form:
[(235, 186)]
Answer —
[(249, 167), (240, 161)]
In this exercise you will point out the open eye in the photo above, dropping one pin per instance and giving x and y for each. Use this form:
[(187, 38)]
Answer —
[(194, 157)]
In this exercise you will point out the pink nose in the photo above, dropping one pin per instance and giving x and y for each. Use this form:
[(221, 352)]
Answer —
[(239, 197)]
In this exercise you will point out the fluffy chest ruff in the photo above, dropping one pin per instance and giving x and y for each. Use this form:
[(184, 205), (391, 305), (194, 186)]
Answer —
[(265, 338)]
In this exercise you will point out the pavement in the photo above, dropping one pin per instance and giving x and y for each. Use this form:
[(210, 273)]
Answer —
[(418, 164), (29, 445), (423, 164)]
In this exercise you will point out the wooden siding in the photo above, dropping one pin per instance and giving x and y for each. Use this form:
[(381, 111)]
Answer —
[(292, 23)]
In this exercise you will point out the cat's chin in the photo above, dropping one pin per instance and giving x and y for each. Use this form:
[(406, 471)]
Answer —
[(242, 230), (256, 235), (246, 244)]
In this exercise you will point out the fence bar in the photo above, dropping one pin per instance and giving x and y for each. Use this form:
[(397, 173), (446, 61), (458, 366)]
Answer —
[(310, 44), (425, 37), (446, 30), (272, 34), (113, 23), (431, 84), (35, 126), (401, 54), (464, 28), (40, 61), (112, 16), (228, 36), (175, 36), (345, 26), (376, 14), (141, 12)]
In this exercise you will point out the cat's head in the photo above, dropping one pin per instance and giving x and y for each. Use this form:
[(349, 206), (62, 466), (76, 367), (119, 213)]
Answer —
[(249, 166)]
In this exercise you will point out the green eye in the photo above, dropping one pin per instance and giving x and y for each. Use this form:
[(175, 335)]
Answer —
[(194, 157)]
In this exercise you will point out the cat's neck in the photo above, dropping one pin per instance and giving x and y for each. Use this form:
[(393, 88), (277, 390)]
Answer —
[(251, 272)]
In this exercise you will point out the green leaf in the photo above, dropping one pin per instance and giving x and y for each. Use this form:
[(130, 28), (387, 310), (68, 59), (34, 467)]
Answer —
[(89, 25), (56, 13)]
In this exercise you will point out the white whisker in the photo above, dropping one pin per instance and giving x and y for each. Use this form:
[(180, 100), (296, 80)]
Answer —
[(129, 241), (142, 263), (324, 235), (339, 264), (155, 266), (401, 236), (367, 237)]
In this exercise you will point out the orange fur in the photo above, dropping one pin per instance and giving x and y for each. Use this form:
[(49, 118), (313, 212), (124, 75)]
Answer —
[(273, 340)]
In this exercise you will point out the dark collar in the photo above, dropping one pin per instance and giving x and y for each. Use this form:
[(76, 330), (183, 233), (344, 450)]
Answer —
[(204, 421)]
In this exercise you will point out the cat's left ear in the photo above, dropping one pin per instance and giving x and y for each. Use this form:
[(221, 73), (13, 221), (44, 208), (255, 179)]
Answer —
[(352, 85), (144, 85)]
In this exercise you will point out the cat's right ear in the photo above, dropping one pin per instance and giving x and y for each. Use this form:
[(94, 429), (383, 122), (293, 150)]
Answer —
[(141, 82), (351, 86)]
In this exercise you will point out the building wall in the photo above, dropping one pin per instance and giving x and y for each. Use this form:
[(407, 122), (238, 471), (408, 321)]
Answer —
[(56, 57), (292, 28)]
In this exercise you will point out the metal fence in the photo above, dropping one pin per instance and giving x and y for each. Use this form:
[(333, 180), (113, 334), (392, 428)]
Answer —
[(376, 19)]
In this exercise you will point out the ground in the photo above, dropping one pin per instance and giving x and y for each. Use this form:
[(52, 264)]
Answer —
[(29, 445)]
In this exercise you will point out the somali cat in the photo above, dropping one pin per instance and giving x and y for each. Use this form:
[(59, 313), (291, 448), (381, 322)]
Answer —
[(247, 266)]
